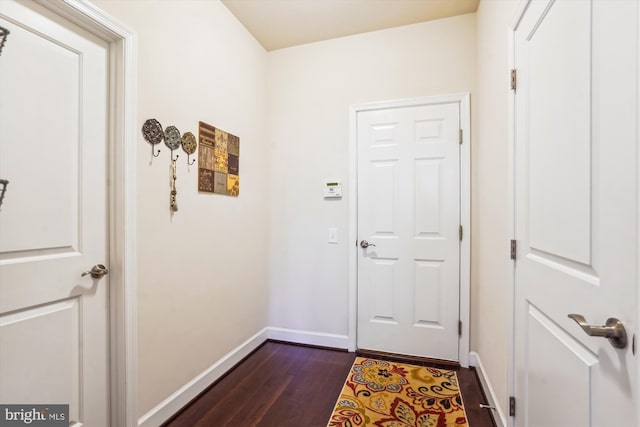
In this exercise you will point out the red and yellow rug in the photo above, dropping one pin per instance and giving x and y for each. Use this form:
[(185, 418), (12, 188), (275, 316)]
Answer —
[(387, 394)]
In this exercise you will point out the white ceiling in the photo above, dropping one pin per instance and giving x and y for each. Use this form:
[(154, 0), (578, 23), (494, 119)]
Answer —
[(278, 24)]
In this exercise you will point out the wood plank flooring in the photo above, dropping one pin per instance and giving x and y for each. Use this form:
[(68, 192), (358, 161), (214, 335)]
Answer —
[(282, 385)]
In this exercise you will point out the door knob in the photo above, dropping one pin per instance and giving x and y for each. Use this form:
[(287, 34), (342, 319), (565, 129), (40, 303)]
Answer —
[(364, 244), (613, 330), (97, 271)]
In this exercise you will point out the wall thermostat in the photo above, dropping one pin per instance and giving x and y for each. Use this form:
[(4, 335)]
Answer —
[(332, 189)]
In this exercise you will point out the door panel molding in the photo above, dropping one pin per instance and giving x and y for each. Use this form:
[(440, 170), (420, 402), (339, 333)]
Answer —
[(122, 197), (465, 207)]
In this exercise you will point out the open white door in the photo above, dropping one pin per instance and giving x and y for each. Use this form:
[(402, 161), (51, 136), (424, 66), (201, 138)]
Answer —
[(576, 211), (409, 229), (54, 325)]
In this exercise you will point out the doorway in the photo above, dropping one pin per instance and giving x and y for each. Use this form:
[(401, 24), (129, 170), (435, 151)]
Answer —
[(99, 29), (410, 210)]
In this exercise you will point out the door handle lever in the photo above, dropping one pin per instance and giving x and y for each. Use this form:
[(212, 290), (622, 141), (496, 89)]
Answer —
[(613, 330), (364, 244), (97, 271)]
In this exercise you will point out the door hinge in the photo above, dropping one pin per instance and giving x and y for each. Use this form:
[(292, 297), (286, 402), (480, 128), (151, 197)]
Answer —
[(513, 249), (460, 233), (512, 406), (460, 136), (514, 79), (459, 328)]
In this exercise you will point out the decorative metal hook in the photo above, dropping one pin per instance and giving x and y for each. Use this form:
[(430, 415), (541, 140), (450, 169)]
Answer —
[(3, 183), (3, 37), (189, 145), (153, 134), (172, 139)]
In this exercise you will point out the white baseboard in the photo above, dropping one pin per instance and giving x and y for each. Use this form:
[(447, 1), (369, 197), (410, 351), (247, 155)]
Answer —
[(308, 337), (498, 413), (172, 404)]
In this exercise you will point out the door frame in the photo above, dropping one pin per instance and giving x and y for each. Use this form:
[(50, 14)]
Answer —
[(505, 419), (122, 199), (465, 209), (511, 373)]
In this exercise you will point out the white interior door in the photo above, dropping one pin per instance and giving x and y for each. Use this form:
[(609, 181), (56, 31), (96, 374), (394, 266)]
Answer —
[(409, 213), (576, 211), (54, 329)]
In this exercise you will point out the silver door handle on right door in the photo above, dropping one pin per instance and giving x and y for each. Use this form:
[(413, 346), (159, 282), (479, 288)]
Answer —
[(613, 330), (97, 271), (364, 244)]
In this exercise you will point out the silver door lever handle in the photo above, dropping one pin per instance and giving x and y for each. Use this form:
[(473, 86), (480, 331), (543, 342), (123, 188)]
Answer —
[(613, 330), (364, 244), (97, 271)]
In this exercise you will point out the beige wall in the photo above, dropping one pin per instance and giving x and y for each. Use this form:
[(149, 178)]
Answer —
[(490, 312), (310, 90), (223, 268), (202, 275)]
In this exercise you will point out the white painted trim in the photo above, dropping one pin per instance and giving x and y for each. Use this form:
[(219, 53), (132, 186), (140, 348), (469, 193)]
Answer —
[(465, 221), (122, 216), (518, 13), (498, 414), (637, 325), (511, 343), (353, 228), (308, 337), (465, 209), (172, 404), (411, 102)]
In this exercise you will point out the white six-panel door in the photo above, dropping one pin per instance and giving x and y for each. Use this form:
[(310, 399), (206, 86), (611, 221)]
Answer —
[(409, 208), (54, 329), (576, 211)]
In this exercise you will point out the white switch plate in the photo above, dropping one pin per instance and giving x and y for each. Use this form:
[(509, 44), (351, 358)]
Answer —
[(333, 235)]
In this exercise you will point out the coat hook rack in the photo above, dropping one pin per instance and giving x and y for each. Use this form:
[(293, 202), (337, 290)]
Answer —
[(189, 145), (153, 134)]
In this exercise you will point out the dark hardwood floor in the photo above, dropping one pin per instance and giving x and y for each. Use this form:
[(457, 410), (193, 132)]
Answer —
[(282, 385)]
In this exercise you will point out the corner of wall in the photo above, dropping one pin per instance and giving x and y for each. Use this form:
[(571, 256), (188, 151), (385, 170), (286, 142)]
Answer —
[(492, 398), (180, 398)]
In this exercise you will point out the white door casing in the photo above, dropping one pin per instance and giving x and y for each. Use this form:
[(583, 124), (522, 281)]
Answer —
[(410, 205), (120, 152), (575, 214)]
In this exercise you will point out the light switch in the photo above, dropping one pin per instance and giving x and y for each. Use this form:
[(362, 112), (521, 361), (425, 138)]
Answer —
[(333, 235)]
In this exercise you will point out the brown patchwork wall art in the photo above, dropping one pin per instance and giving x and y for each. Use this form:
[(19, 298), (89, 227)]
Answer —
[(218, 161)]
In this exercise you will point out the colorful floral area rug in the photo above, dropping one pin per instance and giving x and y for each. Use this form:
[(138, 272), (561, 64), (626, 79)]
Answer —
[(386, 394)]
